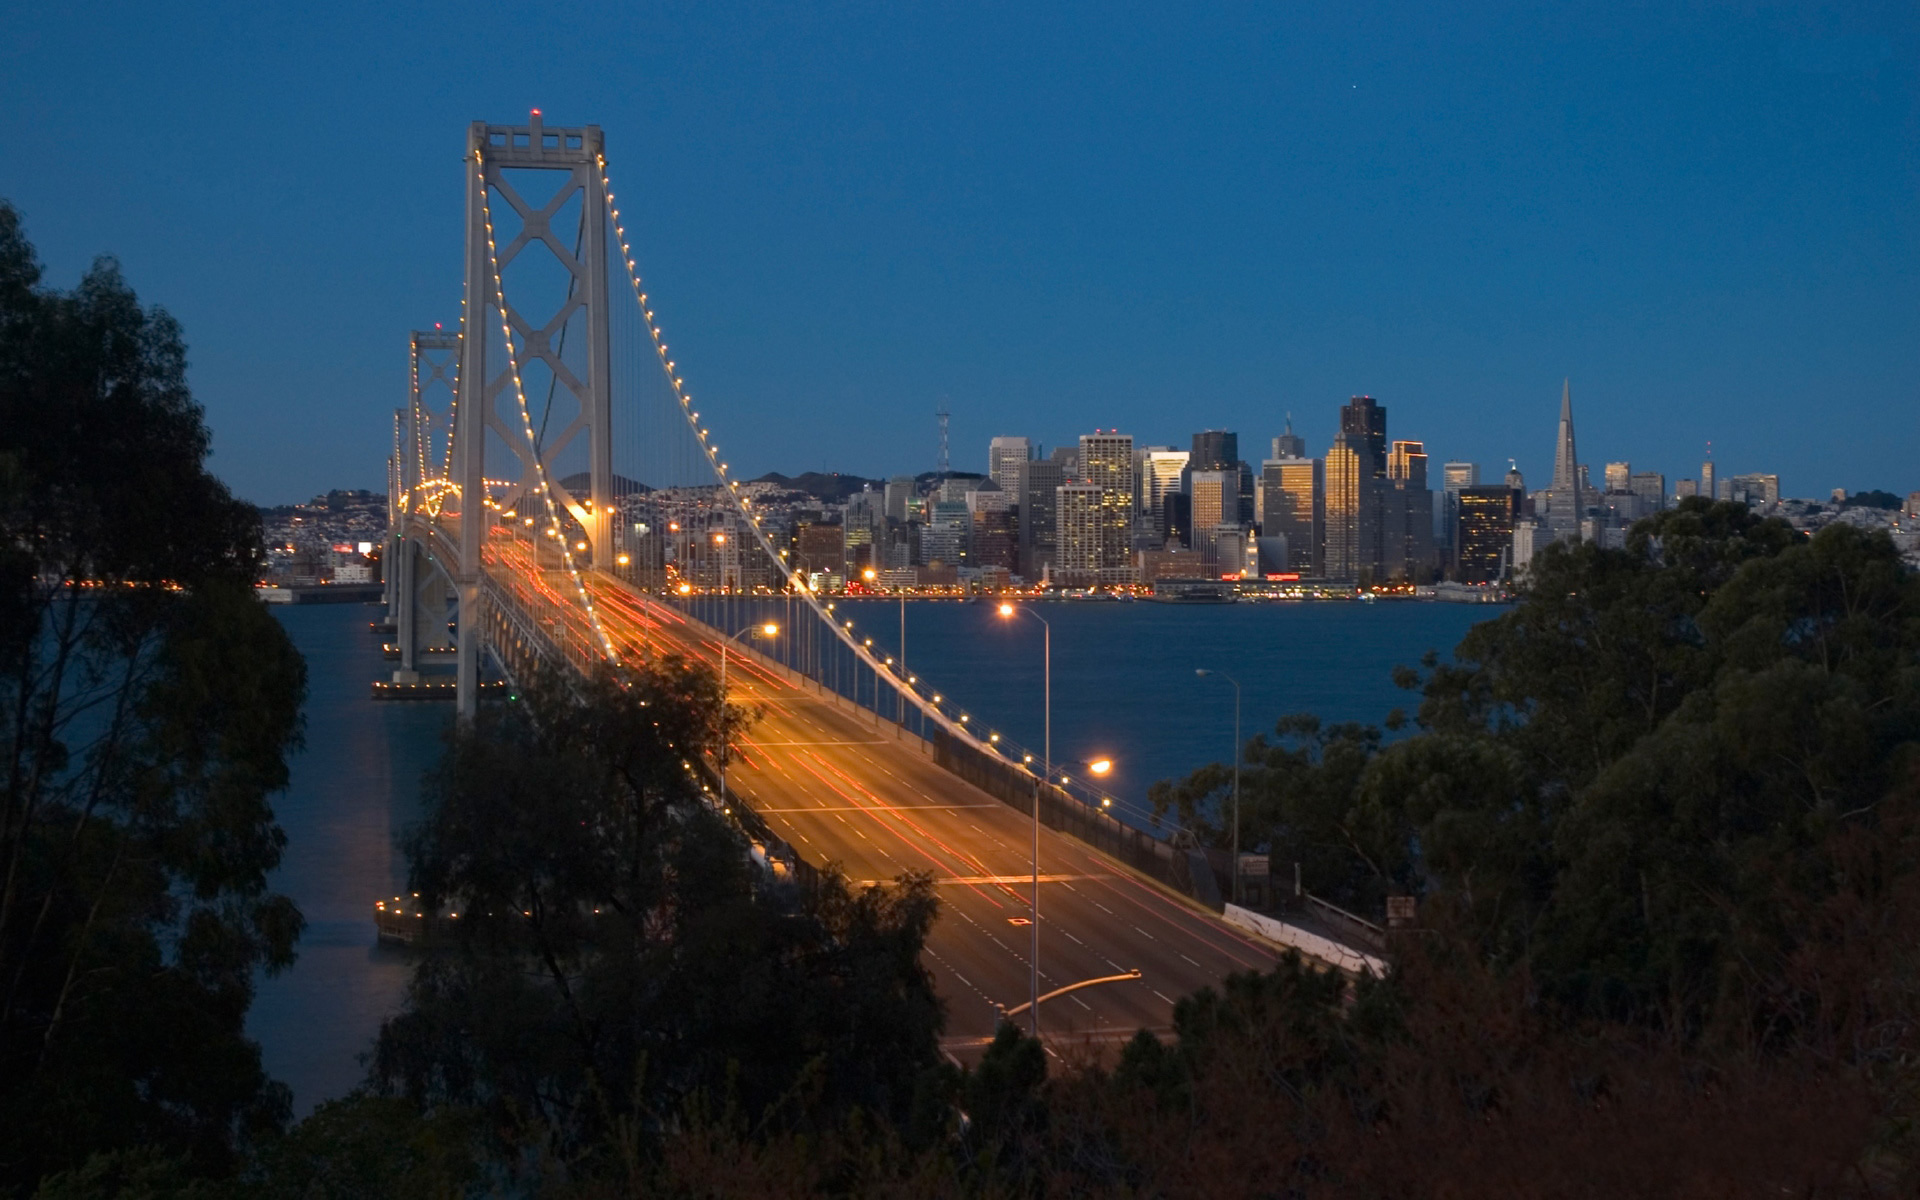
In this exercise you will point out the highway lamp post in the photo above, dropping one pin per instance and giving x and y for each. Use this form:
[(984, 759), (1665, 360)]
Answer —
[(1046, 772), (1203, 672), (769, 629)]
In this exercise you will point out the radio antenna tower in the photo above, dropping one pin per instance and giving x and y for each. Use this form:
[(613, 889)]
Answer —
[(944, 465)]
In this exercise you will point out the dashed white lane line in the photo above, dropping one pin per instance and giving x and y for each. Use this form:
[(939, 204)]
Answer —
[(1161, 994), (1146, 935), (1195, 962)]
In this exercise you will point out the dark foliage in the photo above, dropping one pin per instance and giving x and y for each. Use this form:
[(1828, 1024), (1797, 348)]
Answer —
[(620, 963), (147, 703)]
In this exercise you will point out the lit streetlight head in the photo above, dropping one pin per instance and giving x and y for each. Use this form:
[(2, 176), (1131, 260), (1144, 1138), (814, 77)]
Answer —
[(867, 575), (770, 630), (1006, 610), (1201, 671), (1100, 766)]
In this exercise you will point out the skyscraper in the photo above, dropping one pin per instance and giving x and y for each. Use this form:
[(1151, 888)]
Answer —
[(1364, 418), (1454, 476), (1352, 506), (1406, 513), (1157, 472), (1215, 499), (1004, 456), (1036, 483), (1080, 535), (1619, 477), (1293, 503), (1651, 487), (1487, 516), (1565, 499), (1214, 450), (1707, 487), (1289, 444), (1106, 461)]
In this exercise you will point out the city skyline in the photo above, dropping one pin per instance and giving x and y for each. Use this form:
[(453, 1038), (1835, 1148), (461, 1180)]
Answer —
[(1158, 224)]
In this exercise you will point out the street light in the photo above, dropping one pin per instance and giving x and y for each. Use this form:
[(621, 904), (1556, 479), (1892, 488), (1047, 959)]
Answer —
[(1203, 672), (766, 630), (1007, 611)]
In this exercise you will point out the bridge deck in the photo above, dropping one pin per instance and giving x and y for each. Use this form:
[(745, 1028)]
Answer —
[(844, 786)]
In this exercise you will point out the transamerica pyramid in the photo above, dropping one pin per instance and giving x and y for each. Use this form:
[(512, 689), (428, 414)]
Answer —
[(1566, 464)]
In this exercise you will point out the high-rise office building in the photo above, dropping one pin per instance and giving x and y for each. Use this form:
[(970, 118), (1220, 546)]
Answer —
[(1487, 516), (899, 491), (1106, 461), (948, 533), (1004, 456), (1406, 514), (1157, 471), (1619, 477), (1176, 519), (1214, 450), (994, 544), (1293, 506), (1352, 507), (1651, 487), (1068, 458), (1036, 483), (1289, 444), (1707, 487), (1364, 418), (1685, 489), (1080, 532), (1454, 475), (1214, 497)]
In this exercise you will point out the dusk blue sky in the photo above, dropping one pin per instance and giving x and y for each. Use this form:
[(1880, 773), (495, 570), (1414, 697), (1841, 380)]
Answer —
[(1158, 218)]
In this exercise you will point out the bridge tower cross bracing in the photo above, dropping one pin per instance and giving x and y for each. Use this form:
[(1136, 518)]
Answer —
[(492, 151)]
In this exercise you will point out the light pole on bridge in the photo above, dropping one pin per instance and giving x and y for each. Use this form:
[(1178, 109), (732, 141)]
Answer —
[(766, 630)]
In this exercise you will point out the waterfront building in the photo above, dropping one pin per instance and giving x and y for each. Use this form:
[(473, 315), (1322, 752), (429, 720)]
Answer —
[(1232, 552), (1529, 538), (819, 548), (1004, 456), (1487, 519), (994, 545)]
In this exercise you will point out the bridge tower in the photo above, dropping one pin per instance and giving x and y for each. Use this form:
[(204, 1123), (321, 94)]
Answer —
[(492, 152)]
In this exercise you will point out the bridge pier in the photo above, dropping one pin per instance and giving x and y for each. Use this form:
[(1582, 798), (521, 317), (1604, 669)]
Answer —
[(405, 613), (467, 651)]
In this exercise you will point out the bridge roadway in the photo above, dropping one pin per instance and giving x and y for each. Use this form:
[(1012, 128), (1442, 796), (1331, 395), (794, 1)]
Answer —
[(844, 786)]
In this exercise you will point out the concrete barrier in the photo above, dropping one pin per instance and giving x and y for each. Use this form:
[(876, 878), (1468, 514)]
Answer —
[(1357, 962)]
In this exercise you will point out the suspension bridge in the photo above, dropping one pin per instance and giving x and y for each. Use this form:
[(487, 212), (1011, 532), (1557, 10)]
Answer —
[(559, 498)]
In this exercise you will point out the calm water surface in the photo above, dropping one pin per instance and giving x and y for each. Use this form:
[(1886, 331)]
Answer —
[(1123, 686)]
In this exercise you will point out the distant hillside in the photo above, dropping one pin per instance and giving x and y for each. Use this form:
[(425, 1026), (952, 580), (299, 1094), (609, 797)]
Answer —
[(824, 486), (622, 486)]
